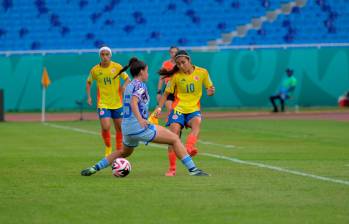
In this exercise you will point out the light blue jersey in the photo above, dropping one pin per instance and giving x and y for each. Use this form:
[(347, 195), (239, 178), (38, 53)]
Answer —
[(130, 124)]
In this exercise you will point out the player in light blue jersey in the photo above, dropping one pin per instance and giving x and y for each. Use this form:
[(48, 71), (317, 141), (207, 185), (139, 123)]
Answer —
[(130, 123), (136, 128)]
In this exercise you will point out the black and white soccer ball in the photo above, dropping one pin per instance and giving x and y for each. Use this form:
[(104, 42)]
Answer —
[(121, 167)]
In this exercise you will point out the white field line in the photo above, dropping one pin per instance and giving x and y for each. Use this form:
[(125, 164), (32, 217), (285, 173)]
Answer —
[(234, 160), (216, 144), (71, 128), (275, 168)]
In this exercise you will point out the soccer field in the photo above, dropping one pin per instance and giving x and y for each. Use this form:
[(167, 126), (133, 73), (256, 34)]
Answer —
[(262, 171)]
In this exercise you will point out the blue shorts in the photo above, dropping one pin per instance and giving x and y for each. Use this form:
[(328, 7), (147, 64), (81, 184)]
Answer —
[(182, 119), (113, 113), (146, 135)]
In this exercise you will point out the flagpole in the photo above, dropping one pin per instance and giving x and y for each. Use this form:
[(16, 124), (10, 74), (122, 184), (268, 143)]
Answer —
[(45, 81), (43, 105)]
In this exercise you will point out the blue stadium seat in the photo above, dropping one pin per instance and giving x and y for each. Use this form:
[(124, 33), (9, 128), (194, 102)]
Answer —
[(84, 24)]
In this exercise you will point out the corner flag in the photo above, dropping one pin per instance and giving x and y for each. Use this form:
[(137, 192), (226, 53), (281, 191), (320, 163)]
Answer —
[(45, 81)]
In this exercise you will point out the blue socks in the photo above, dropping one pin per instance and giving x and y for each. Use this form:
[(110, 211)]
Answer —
[(189, 163), (103, 163)]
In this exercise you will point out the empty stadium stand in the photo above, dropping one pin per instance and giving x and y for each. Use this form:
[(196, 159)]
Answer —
[(86, 24)]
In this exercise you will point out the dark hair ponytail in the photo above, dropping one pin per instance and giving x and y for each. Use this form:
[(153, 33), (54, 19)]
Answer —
[(163, 72), (136, 66), (168, 73)]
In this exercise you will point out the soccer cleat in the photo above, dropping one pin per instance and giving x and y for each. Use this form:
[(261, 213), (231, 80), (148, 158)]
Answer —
[(107, 151), (198, 172), (170, 173), (88, 172)]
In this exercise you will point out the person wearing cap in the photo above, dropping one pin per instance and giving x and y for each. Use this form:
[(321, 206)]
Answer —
[(186, 83), (285, 91), (109, 96)]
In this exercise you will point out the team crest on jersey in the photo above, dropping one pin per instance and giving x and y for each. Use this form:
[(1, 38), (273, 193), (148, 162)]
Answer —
[(140, 91), (113, 71), (196, 78), (175, 117)]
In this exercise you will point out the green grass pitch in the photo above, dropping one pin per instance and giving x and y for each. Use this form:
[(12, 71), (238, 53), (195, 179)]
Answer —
[(251, 163)]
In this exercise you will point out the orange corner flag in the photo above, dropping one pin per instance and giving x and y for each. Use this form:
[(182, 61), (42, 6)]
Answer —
[(45, 80)]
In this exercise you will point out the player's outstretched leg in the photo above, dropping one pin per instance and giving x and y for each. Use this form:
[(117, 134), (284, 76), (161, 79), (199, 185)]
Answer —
[(165, 136), (103, 163)]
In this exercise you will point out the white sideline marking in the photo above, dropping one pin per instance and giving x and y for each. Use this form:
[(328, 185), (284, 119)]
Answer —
[(71, 128), (234, 160), (216, 144), (275, 168)]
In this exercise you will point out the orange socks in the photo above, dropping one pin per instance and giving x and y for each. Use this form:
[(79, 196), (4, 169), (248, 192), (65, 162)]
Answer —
[(118, 138), (106, 138), (190, 145), (172, 159)]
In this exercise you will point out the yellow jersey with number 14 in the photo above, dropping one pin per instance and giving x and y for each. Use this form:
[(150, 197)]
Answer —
[(109, 94), (188, 89)]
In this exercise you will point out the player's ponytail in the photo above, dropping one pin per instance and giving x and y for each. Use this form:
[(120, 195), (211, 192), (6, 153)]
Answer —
[(165, 73), (135, 65), (168, 73)]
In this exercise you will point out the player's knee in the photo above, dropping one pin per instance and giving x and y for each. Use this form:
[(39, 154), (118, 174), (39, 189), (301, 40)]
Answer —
[(176, 140)]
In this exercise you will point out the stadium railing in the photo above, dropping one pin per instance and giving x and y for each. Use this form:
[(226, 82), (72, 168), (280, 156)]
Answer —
[(192, 48)]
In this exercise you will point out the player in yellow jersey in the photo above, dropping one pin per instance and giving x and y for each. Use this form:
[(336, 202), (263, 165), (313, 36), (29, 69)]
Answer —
[(186, 83), (108, 75)]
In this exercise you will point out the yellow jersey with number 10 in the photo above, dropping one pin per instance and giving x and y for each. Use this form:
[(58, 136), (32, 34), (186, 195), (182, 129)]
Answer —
[(109, 94), (188, 89)]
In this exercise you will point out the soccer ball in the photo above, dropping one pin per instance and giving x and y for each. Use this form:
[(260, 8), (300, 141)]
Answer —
[(121, 167)]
